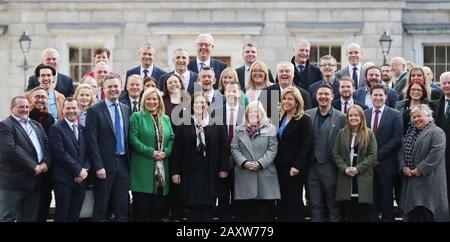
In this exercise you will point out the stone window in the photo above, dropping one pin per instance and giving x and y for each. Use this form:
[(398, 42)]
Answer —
[(320, 50), (81, 60), (437, 57)]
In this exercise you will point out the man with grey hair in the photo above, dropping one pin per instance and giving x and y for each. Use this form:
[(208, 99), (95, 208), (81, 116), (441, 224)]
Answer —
[(285, 76), (63, 83), (399, 71), (147, 55), (101, 69), (442, 114), (354, 69), (305, 74), (204, 45)]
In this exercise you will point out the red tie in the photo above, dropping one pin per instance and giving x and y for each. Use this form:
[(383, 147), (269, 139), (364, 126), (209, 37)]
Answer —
[(375, 123), (345, 107), (231, 125), (102, 94)]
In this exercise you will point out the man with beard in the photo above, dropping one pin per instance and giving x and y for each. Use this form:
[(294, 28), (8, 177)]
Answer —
[(38, 109), (204, 45), (346, 89), (386, 77), (305, 74), (206, 80), (373, 76)]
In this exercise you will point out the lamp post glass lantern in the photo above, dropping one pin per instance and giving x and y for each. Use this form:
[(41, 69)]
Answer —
[(385, 43), (25, 45)]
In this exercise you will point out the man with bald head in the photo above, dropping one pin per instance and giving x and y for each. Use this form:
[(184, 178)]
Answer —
[(305, 74), (355, 70), (63, 83), (204, 45)]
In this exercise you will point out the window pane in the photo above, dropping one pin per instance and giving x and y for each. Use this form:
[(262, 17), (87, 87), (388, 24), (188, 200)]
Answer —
[(336, 53), (85, 69), (86, 55), (448, 54), (439, 70), (313, 55), (73, 55), (428, 54), (440, 54), (74, 72), (323, 50)]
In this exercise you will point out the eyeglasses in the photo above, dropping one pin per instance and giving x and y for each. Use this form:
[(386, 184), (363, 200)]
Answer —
[(416, 90), (257, 70), (204, 44), (327, 65)]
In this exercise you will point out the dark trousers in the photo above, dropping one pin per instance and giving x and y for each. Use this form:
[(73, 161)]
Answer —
[(69, 200), (291, 207), (45, 198), (200, 213), (383, 197), (225, 202), (19, 206), (353, 211), (419, 214), (255, 210), (115, 188), (174, 205), (147, 207)]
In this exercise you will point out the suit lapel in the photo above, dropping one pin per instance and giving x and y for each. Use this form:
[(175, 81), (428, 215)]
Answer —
[(125, 119), (107, 116), (21, 130), (66, 128), (332, 125), (383, 120), (369, 117)]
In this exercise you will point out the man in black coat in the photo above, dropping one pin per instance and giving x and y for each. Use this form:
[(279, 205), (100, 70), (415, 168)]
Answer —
[(305, 74)]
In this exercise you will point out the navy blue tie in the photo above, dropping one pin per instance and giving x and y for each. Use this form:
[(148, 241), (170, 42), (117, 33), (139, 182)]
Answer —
[(355, 77), (118, 130)]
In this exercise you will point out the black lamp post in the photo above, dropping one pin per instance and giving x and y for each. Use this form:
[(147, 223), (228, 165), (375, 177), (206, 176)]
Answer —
[(385, 43), (25, 44)]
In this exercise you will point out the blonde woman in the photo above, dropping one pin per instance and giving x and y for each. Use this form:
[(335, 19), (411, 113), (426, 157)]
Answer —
[(228, 76), (355, 151), (254, 148), (84, 94), (151, 139), (258, 80), (294, 140)]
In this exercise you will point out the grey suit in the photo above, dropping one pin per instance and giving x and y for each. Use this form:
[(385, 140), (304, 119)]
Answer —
[(262, 147), (428, 190), (344, 72), (322, 173)]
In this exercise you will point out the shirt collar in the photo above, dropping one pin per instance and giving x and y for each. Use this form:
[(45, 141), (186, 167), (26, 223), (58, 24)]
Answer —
[(71, 123), (207, 62), (109, 103), (350, 101), (19, 119), (381, 109)]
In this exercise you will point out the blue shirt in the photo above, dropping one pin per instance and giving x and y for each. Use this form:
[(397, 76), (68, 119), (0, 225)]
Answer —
[(110, 106), (52, 109), (27, 126)]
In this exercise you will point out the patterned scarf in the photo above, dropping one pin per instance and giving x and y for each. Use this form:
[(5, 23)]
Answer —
[(410, 139), (199, 131), (158, 166), (252, 129)]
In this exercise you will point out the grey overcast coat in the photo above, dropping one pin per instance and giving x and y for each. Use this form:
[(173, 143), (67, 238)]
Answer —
[(262, 147), (430, 189)]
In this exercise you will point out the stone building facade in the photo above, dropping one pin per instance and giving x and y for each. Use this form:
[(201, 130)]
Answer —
[(122, 26)]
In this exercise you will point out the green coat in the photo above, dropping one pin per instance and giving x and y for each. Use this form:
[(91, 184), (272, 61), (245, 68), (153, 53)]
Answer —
[(142, 142), (364, 165)]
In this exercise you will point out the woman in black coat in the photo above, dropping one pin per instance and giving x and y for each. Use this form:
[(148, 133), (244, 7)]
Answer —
[(294, 140), (200, 160)]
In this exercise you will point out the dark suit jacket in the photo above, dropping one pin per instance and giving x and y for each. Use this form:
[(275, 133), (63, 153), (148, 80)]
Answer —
[(439, 117), (156, 73), (217, 65), (192, 80), (400, 84), (309, 75), (218, 153), (360, 96), (101, 138), (265, 98), (295, 143), (241, 76), (69, 154), (389, 138), (64, 84), (313, 90), (344, 72), (337, 104), (125, 99), (221, 116), (18, 157)]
